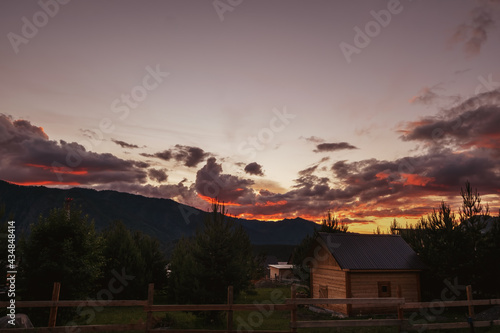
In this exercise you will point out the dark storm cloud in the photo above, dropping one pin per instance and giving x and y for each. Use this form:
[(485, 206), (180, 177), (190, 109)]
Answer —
[(124, 144), (190, 156), (322, 147), (158, 175), (475, 122), (254, 168), (380, 188), (28, 156), (211, 182)]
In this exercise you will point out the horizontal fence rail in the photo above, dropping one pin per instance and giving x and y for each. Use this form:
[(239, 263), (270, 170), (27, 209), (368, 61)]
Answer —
[(219, 307), (386, 301), (290, 304), (347, 323), (423, 305), (73, 304)]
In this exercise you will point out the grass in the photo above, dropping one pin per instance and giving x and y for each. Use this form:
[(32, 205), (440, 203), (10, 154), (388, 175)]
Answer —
[(251, 320)]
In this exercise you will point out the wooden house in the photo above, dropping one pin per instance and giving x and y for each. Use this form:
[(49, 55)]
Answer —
[(349, 265)]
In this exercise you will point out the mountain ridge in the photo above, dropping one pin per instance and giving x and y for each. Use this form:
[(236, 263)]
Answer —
[(165, 219)]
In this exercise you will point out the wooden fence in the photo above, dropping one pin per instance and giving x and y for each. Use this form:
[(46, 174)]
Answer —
[(290, 304)]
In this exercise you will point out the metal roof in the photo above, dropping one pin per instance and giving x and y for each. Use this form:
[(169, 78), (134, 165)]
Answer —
[(283, 266), (370, 251)]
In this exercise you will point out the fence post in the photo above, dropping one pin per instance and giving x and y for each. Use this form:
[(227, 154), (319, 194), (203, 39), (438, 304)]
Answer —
[(469, 298), (293, 312), (53, 309), (149, 317), (230, 312), (399, 294)]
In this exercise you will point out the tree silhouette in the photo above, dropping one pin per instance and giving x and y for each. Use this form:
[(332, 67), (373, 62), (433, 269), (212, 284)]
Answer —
[(458, 247), (137, 255), (218, 256)]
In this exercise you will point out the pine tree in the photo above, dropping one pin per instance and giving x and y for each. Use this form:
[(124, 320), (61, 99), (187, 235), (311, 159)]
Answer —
[(138, 255), (218, 256), (61, 248)]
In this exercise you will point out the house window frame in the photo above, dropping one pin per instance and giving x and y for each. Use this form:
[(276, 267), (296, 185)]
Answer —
[(381, 285)]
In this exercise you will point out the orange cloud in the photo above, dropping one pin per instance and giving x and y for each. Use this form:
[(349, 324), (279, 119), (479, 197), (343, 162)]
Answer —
[(45, 182), (210, 200), (63, 170), (417, 180), (382, 175), (491, 141), (270, 203)]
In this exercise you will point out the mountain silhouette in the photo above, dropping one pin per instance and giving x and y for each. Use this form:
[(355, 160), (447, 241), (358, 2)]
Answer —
[(163, 219)]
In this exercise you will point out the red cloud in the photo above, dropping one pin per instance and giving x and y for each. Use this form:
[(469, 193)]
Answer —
[(47, 182), (270, 203), (210, 200), (63, 170), (417, 180)]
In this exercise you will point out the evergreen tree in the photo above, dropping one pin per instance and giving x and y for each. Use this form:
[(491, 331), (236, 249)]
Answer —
[(138, 255), (154, 260), (218, 256), (458, 247), (63, 248), (332, 224)]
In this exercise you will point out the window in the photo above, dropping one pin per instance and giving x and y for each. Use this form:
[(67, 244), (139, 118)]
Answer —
[(323, 291), (384, 289)]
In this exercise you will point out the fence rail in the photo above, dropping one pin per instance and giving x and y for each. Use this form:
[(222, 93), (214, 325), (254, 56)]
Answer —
[(290, 304)]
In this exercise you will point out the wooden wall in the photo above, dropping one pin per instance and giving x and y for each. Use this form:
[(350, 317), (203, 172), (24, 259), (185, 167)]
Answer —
[(366, 285), (326, 272)]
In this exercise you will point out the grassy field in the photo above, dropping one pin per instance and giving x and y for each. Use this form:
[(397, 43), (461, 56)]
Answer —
[(249, 320)]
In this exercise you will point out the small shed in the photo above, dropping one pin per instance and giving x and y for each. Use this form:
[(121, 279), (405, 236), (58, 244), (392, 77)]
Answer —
[(350, 265), (280, 271)]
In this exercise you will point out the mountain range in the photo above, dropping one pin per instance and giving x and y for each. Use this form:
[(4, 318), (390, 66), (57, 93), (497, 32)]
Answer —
[(164, 219)]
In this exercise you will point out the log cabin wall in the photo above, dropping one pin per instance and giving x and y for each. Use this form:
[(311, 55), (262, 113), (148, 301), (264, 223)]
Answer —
[(383, 284), (328, 280)]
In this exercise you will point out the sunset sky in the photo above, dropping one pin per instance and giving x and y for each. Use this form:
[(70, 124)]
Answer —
[(372, 109)]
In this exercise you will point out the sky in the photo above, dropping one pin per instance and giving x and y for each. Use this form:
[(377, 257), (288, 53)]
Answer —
[(374, 110)]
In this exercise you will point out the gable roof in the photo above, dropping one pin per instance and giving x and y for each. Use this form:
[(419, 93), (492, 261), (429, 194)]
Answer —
[(366, 251)]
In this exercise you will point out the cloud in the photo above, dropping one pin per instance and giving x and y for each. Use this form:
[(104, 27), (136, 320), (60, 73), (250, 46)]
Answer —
[(158, 175), (474, 33), (313, 139), (165, 155), (29, 157), (425, 96), (254, 169), (191, 156), (459, 143), (357, 221), (212, 183), (473, 123), (124, 144), (188, 155), (333, 147)]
